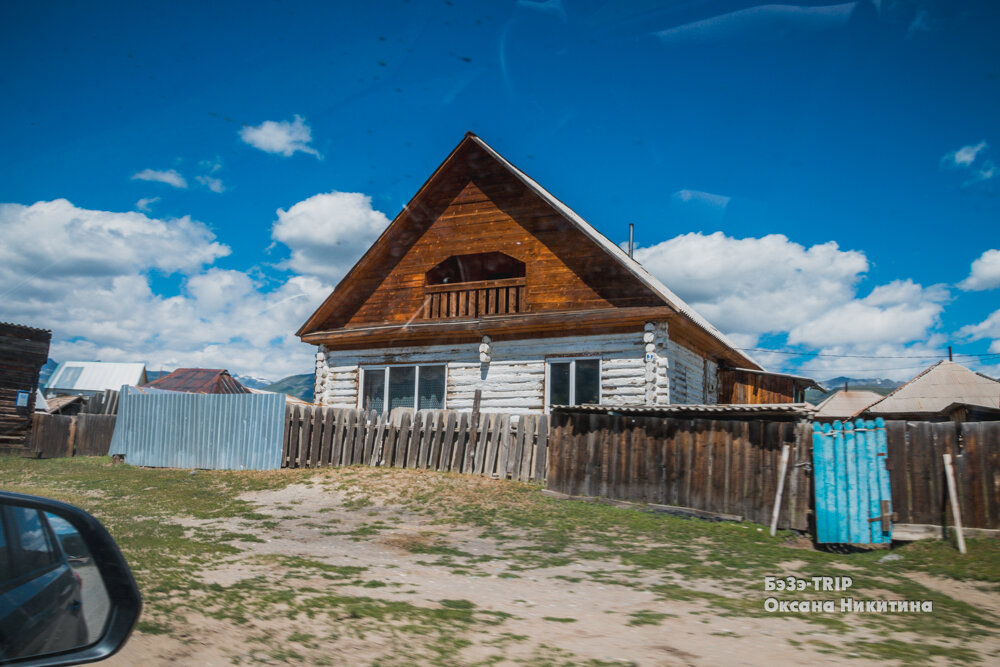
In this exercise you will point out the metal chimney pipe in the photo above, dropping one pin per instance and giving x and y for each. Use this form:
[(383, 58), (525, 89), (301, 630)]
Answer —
[(631, 239)]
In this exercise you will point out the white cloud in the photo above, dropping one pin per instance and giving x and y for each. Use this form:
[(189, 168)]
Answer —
[(86, 275), (885, 360), (964, 156), (89, 243), (282, 137), (985, 273), (753, 286), (328, 233), (706, 198), (773, 286), (213, 184), (897, 313), (168, 176), (146, 204), (762, 23), (988, 328), (980, 170)]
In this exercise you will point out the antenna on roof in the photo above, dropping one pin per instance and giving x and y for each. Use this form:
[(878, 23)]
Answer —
[(631, 239)]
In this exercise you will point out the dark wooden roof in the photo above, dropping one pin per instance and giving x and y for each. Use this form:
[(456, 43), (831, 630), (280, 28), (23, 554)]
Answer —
[(478, 202), (199, 381)]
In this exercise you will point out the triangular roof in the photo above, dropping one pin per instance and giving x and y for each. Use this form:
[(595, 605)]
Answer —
[(397, 238), (846, 403), (90, 376), (199, 381), (936, 388)]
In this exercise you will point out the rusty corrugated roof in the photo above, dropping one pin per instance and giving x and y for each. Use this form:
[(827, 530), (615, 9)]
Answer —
[(199, 381)]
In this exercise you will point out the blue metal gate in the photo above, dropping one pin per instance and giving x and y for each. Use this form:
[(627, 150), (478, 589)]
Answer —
[(853, 501)]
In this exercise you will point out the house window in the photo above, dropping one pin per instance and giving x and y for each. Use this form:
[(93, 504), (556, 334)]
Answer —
[(573, 382), (417, 387)]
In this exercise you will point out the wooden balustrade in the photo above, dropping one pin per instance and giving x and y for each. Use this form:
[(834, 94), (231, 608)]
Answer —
[(475, 299)]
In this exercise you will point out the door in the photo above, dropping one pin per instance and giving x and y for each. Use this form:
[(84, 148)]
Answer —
[(853, 501)]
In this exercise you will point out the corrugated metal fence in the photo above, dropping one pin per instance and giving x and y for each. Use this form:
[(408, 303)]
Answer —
[(207, 431)]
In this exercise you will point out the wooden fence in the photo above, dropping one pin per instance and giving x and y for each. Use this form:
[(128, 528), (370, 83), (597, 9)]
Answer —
[(916, 472), (56, 436), (494, 445), (714, 466)]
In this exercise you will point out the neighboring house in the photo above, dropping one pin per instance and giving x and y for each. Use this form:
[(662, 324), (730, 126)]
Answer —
[(487, 281), (945, 391), (845, 403), (86, 378), (199, 381), (23, 352)]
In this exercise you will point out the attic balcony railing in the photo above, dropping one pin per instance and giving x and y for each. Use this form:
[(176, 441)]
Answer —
[(474, 299)]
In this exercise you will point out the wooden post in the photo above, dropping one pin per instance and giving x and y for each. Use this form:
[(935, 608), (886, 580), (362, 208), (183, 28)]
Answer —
[(949, 473), (71, 438), (782, 468)]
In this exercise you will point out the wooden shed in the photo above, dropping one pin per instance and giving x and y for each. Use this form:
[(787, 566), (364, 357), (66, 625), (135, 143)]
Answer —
[(753, 386), (23, 352)]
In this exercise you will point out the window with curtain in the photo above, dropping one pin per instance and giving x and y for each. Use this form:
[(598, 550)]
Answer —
[(417, 387)]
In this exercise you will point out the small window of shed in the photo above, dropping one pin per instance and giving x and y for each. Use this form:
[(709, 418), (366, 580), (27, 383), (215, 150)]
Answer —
[(474, 268)]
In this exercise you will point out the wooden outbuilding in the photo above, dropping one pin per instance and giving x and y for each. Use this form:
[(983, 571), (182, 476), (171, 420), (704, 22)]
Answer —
[(487, 281), (23, 352)]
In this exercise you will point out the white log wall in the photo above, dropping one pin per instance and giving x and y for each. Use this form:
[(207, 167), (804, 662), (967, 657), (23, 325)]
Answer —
[(692, 378), (636, 369)]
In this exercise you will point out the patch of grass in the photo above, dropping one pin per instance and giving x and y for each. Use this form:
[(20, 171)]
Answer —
[(644, 617), (559, 619), (914, 652)]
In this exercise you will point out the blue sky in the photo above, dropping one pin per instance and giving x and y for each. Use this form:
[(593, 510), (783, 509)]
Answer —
[(182, 184)]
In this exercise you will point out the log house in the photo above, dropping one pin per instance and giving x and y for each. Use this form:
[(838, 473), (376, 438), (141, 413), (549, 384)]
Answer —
[(486, 281)]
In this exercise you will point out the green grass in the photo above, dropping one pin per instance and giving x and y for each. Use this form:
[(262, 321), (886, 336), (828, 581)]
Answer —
[(668, 556)]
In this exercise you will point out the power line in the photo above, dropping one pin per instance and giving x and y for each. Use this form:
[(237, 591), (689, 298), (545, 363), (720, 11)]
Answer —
[(866, 356)]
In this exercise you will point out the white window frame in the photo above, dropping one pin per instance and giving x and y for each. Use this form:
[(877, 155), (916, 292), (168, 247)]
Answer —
[(572, 377), (383, 368)]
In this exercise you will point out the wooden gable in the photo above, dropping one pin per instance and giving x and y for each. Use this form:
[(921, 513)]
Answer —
[(575, 280), (474, 204)]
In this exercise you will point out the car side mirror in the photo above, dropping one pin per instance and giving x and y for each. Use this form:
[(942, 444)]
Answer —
[(67, 596)]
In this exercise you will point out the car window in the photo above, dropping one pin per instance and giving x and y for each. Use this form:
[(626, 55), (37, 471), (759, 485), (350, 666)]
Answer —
[(6, 568), (28, 528)]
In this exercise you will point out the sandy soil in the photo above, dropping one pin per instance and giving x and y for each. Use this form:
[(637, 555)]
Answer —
[(692, 633)]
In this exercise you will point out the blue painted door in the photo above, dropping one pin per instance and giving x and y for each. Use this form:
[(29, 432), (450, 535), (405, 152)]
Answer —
[(853, 501)]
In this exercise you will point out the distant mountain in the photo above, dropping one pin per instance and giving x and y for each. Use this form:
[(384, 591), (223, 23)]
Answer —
[(868, 383), (300, 386), (156, 375), (878, 385), (252, 382)]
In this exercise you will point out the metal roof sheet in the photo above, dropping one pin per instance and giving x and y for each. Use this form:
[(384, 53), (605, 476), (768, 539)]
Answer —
[(91, 376), (844, 404), (936, 388), (792, 409)]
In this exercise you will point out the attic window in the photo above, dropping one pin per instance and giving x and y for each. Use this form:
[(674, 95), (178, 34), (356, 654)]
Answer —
[(475, 268)]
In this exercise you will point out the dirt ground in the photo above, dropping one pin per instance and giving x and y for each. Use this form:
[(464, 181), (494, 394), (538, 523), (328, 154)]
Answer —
[(556, 615)]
